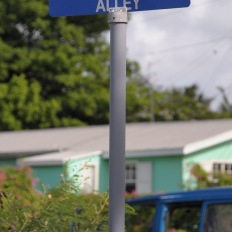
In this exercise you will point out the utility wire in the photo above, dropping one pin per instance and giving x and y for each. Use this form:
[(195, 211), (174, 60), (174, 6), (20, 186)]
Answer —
[(214, 75), (190, 45), (198, 61), (205, 56)]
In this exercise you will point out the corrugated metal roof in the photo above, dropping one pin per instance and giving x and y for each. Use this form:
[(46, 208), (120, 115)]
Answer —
[(139, 137)]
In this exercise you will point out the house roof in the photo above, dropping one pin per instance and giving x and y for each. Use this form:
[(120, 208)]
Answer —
[(141, 138)]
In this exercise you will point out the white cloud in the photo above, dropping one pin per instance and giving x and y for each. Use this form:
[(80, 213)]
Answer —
[(184, 45)]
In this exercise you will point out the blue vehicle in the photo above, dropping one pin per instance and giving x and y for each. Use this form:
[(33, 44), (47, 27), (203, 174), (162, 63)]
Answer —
[(206, 210)]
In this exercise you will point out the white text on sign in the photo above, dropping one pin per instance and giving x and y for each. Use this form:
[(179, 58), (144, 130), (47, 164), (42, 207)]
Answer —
[(103, 5)]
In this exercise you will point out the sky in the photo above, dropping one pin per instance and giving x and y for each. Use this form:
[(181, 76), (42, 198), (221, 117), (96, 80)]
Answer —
[(180, 47)]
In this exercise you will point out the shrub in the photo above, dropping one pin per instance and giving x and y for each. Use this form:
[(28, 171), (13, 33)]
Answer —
[(62, 208)]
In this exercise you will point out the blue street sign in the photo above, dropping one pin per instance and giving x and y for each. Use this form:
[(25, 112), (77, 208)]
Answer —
[(88, 7)]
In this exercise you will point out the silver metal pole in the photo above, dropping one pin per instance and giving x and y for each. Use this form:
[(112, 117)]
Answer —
[(117, 21)]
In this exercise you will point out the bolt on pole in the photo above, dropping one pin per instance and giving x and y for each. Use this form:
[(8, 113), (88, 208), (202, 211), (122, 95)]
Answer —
[(118, 22)]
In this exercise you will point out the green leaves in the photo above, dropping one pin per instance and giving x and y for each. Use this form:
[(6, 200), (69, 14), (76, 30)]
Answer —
[(182, 104), (50, 68), (62, 208), (21, 105)]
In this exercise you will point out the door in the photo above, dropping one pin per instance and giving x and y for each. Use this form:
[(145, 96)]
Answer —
[(144, 177)]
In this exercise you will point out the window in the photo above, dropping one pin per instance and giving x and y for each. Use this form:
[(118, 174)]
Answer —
[(130, 177), (139, 177), (222, 168), (183, 217), (218, 218)]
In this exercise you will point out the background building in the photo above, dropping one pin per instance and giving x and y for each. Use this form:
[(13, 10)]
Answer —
[(159, 155)]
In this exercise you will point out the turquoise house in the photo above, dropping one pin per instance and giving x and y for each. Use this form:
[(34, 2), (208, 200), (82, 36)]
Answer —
[(159, 155)]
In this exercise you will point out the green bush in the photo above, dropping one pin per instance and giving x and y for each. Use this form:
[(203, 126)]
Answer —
[(62, 208)]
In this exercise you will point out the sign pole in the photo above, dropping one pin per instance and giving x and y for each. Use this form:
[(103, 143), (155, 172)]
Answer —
[(118, 22)]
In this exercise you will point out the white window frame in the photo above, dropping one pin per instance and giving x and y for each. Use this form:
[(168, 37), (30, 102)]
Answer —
[(222, 167)]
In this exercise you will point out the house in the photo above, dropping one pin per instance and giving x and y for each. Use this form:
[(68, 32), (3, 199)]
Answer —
[(159, 155)]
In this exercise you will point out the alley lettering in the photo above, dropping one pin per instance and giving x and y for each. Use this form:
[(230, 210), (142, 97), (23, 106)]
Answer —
[(103, 5)]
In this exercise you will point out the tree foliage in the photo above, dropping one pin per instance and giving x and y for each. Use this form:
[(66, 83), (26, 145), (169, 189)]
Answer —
[(138, 96), (225, 107), (54, 72), (182, 104)]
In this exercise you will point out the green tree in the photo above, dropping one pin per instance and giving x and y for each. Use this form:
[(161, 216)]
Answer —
[(225, 108), (53, 71), (182, 104), (138, 96)]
